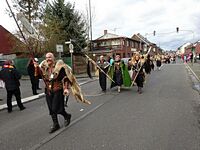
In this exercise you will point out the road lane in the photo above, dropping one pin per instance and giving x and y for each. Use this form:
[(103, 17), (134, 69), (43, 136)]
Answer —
[(163, 118)]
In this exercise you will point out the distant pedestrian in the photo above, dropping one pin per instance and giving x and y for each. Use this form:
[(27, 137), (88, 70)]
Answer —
[(11, 76), (110, 60), (185, 58), (191, 57), (37, 75), (33, 74), (158, 62), (147, 65)]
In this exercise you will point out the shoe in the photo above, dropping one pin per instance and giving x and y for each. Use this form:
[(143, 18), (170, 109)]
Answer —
[(103, 91), (54, 128), (9, 111), (67, 120), (119, 89), (35, 93), (22, 108), (39, 88), (140, 90)]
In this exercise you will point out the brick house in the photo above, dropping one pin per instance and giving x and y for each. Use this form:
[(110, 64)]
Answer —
[(145, 44), (112, 44), (9, 43), (195, 46)]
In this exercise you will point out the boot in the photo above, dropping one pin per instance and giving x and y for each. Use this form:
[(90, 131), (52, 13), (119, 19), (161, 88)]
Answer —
[(139, 90), (67, 119), (56, 125)]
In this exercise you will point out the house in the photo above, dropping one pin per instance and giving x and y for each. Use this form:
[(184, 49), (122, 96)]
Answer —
[(145, 45), (193, 47), (112, 44), (183, 49), (9, 44)]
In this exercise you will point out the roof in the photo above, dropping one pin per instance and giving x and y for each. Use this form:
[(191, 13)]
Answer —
[(7, 41), (111, 36), (139, 37)]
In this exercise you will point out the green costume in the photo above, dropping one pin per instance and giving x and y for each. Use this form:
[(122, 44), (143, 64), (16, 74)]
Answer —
[(118, 71)]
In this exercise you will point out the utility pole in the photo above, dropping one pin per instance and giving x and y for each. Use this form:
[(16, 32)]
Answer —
[(90, 20)]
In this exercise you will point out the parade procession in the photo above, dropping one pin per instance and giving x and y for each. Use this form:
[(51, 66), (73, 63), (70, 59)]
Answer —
[(99, 75)]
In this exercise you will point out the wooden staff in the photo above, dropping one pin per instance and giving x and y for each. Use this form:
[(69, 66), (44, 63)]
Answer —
[(94, 63)]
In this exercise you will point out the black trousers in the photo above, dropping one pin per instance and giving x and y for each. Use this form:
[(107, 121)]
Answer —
[(55, 102), (102, 81), (34, 84), (17, 94)]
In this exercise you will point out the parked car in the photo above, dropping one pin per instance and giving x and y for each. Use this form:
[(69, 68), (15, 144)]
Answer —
[(1, 63)]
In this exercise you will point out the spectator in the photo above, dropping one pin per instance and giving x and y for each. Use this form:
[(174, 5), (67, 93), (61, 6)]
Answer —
[(11, 76)]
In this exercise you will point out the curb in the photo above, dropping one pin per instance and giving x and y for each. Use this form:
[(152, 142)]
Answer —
[(194, 78), (193, 72), (34, 97), (24, 100)]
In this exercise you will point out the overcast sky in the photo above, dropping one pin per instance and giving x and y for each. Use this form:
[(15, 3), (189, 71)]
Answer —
[(128, 17)]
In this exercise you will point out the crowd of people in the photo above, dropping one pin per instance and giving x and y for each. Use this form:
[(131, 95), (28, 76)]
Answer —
[(60, 81), (127, 75)]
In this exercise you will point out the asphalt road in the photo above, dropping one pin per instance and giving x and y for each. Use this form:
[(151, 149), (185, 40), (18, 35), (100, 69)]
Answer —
[(164, 117)]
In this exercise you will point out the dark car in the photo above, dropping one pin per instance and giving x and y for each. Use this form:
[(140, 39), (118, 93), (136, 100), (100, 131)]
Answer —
[(2, 61)]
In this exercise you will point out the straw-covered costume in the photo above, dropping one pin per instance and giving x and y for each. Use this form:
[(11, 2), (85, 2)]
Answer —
[(58, 79)]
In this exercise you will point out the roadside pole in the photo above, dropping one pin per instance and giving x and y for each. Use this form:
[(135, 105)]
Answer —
[(193, 50), (59, 49), (71, 50)]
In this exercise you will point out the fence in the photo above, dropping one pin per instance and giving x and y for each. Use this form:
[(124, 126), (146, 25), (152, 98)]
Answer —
[(21, 63)]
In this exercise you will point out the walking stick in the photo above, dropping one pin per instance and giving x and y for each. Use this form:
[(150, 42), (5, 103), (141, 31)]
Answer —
[(94, 63), (140, 68)]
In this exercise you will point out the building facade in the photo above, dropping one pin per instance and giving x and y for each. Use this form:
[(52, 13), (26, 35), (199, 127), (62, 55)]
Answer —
[(112, 44)]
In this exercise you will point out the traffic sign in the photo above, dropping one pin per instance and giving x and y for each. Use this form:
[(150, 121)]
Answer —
[(71, 48), (59, 48)]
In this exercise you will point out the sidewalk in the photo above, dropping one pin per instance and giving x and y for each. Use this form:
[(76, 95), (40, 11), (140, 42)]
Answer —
[(26, 91), (196, 68)]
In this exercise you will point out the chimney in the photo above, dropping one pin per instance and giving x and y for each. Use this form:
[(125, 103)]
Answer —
[(105, 32)]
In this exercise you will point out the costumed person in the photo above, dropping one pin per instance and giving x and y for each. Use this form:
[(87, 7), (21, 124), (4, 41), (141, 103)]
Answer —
[(158, 61), (138, 73), (104, 65), (118, 71), (110, 59), (33, 73), (11, 77), (148, 65), (58, 79), (152, 62), (37, 76)]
